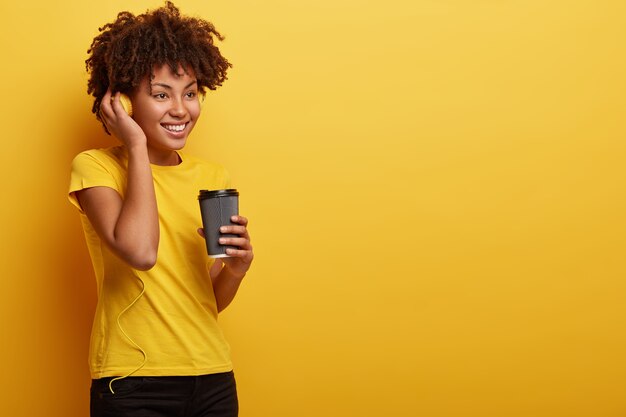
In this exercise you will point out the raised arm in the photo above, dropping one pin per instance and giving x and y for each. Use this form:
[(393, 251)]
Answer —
[(129, 226)]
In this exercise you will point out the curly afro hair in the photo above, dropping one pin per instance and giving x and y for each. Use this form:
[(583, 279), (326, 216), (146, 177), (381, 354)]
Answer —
[(127, 50)]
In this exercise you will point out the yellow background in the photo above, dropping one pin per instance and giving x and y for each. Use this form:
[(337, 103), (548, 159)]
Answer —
[(435, 190)]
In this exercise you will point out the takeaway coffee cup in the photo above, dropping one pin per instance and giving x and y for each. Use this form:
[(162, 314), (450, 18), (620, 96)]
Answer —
[(216, 208)]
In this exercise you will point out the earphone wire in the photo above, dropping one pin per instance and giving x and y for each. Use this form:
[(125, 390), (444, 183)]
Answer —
[(143, 352)]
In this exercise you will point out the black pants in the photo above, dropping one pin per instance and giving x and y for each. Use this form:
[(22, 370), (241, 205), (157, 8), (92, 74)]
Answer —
[(212, 395)]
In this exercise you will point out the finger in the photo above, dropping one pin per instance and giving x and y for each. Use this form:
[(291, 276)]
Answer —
[(105, 104), (108, 108), (237, 230), (246, 255), (116, 104), (239, 219), (107, 96), (235, 241), (201, 232)]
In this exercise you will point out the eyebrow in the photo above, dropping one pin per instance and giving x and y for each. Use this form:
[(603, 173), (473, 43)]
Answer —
[(170, 87)]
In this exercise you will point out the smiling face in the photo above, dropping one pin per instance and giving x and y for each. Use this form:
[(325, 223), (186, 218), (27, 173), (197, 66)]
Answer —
[(166, 108)]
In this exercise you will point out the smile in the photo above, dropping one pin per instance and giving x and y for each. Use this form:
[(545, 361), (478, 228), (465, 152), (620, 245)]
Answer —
[(175, 128)]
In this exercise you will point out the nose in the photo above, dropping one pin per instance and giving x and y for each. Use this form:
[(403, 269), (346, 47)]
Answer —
[(178, 108)]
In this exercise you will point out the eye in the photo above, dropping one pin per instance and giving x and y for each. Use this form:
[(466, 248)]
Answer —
[(191, 94), (160, 96)]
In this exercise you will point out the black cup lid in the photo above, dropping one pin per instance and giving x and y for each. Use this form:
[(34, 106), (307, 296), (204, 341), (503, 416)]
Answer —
[(204, 194)]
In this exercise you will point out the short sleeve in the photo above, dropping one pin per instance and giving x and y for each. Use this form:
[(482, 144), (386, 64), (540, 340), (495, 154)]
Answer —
[(87, 172)]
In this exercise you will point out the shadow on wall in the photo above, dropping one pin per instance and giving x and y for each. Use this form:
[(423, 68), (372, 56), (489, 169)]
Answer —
[(69, 261), (73, 257)]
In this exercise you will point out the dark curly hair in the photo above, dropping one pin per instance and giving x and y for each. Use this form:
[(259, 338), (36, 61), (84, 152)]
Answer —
[(127, 50)]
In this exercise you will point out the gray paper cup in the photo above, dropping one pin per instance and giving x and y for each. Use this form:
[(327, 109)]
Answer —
[(216, 208)]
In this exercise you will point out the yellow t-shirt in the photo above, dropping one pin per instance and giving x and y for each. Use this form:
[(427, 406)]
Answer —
[(175, 320)]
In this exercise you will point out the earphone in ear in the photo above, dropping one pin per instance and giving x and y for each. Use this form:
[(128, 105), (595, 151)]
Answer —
[(125, 101)]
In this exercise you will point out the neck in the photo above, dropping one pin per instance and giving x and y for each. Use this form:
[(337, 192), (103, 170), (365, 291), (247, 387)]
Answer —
[(166, 158)]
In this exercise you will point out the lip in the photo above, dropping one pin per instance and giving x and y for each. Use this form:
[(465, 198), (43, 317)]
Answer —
[(176, 134)]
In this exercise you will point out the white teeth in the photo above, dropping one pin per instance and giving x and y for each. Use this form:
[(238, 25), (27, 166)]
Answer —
[(174, 128)]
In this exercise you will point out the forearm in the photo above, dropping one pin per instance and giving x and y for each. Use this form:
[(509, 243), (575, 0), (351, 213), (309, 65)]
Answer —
[(136, 233), (225, 286)]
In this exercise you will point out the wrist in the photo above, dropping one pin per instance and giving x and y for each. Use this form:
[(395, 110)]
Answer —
[(137, 145), (233, 273)]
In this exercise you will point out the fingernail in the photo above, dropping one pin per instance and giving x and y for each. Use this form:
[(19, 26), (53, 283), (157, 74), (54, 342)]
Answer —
[(234, 218), (223, 229), (222, 240)]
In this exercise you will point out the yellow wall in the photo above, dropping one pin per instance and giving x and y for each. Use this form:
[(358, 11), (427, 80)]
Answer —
[(436, 195)]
